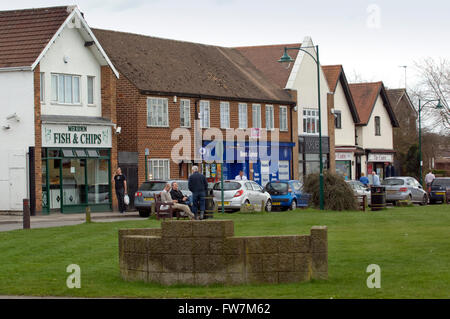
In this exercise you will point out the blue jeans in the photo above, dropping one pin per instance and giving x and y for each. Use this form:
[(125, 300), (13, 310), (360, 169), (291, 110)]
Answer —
[(198, 202)]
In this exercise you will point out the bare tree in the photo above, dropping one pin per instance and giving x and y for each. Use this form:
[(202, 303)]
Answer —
[(434, 83), (357, 77)]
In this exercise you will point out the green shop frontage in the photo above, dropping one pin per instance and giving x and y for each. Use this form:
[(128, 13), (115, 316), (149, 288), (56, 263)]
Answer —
[(76, 166)]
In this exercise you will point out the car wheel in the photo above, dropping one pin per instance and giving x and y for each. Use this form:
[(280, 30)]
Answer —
[(268, 207), (424, 200), (293, 205), (144, 213)]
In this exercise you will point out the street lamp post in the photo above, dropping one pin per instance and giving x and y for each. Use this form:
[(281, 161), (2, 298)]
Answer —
[(438, 106), (287, 59)]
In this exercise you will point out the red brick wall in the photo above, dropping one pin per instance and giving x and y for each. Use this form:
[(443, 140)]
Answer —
[(37, 139)]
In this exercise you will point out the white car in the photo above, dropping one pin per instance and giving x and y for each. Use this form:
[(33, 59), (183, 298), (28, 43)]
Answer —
[(237, 193), (359, 189)]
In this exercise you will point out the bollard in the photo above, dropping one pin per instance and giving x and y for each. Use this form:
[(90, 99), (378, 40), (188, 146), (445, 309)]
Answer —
[(26, 213), (88, 214)]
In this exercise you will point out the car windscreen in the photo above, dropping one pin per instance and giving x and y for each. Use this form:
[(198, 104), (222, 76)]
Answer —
[(393, 182), (152, 186), (227, 186), (279, 187), (182, 185), (441, 182)]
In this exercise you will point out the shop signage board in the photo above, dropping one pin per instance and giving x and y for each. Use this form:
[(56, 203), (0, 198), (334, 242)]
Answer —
[(347, 156), (373, 157), (76, 135), (283, 170)]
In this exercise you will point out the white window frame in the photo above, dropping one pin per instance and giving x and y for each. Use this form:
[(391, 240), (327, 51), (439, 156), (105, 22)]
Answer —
[(165, 104), (152, 167), (42, 87), (57, 89), (93, 89), (311, 116), (224, 115), (256, 117), (243, 115), (205, 108), (283, 118), (270, 125), (185, 113)]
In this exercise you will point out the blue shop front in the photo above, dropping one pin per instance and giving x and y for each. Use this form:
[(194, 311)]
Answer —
[(260, 161)]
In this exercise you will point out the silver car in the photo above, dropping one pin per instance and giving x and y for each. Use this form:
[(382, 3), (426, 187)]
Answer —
[(404, 188), (237, 193), (144, 197), (359, 189)]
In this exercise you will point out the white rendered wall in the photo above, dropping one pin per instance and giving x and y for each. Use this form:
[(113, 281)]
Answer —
[(385, 140), (344, 136), (16, 96), (81, 61)]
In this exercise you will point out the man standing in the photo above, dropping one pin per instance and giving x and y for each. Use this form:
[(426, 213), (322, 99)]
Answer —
[(198, 186), (166, 198), (363, 179), (120, 183), (241, 176), (429, 178), (375, 179)]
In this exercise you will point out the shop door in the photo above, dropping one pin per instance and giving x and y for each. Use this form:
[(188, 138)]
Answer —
[(131, 173), (17, 193)]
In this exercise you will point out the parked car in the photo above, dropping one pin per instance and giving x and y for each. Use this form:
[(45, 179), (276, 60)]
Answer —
[(144, 197), (439, 187), (287, 194), (404, 188), (359, 189), (237, 193)]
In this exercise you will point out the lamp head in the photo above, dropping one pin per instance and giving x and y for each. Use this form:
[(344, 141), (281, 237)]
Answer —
[(285, 58), (439, 106)]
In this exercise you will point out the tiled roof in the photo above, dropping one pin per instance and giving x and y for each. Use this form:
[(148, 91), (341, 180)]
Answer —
[(365, 95), (25, 33), (176, 67), (332, 73), (265, 58), (395, 95)]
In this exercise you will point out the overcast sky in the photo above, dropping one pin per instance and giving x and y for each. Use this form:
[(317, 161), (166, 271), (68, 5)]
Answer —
[(371, 38)]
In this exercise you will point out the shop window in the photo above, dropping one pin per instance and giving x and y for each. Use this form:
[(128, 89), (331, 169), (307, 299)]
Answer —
[(157, 112), (66, 88), (185, 113), (310, 121), (68, 153), (337, 119), (92, 153), (283, 118), (204, 114), (243, 115), (377, 126), (224, 115), (80, 153)]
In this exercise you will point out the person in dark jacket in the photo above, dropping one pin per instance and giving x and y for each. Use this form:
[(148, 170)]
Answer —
[(198, 186), (178, 196)]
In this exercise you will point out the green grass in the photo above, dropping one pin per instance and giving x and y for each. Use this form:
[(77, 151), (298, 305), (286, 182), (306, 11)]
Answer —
[(410, 244)]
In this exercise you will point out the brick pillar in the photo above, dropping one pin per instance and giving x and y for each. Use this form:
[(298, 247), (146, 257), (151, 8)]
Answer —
[(108, 92), (37, 140), (331, 133), (294, 134)]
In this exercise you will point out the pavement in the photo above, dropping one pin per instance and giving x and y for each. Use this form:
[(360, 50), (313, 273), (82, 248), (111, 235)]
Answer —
[(14, 220)]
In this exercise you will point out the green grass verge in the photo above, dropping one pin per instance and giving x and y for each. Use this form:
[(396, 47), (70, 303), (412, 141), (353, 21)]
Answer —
[(410, 244)]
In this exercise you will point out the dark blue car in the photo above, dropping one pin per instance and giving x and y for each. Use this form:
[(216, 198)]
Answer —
[(287, 194), (438, 189)]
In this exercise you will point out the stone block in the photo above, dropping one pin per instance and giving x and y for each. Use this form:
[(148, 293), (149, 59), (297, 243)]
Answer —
[(177, 228), (186, 278), (235, 263), (320, 275), (200, 245), (178, 263), (270, 262), (135, 275), (213, 228), (136, 244), (262, 278), (205, 279), (154, 277), (209, 263), (254, 263), (155, 245), (155, 263), (169, 245), (293, 244), (169, 278), (319, 240), (261, 245), (135, 262), (288, 277), (286, 262), (302, 262), (320, 263), (235, 279)]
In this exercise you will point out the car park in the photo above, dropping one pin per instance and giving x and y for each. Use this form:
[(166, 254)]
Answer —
[(439, 187), (144, 198), (237, 193), (404, 188), (359, 189), (287, 194)]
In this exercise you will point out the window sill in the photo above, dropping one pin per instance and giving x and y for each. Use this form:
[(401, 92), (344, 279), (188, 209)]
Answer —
[(65, 104), (92, 105), (158, 126)]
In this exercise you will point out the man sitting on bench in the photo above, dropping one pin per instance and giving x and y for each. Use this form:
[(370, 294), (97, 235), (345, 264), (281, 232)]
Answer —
[(178, 196), (166, 198)]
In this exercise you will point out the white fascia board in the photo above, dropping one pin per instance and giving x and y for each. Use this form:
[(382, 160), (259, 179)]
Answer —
[(91, 34), (16, 68)]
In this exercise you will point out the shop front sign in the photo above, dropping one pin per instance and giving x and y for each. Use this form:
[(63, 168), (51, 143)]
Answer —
[(347, 156), (373, 157), (76, 135)]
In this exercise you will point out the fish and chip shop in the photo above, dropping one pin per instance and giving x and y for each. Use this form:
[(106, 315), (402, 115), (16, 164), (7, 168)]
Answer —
[(260, 161), (76, 165)]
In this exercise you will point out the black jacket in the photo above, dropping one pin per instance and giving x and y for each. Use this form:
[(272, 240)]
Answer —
[(197, 183), (178, 196)]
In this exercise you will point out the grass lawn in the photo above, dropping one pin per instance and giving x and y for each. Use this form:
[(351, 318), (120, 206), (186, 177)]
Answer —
[(410, 244)]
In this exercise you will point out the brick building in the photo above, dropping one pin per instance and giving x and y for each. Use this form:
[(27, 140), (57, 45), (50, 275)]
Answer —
[(168, 88), (57, 88)]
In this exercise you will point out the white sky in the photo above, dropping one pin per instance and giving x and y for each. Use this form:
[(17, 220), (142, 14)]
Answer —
[(371, 38)]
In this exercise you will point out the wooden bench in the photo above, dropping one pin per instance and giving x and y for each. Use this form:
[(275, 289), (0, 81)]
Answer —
[(362, 201)]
